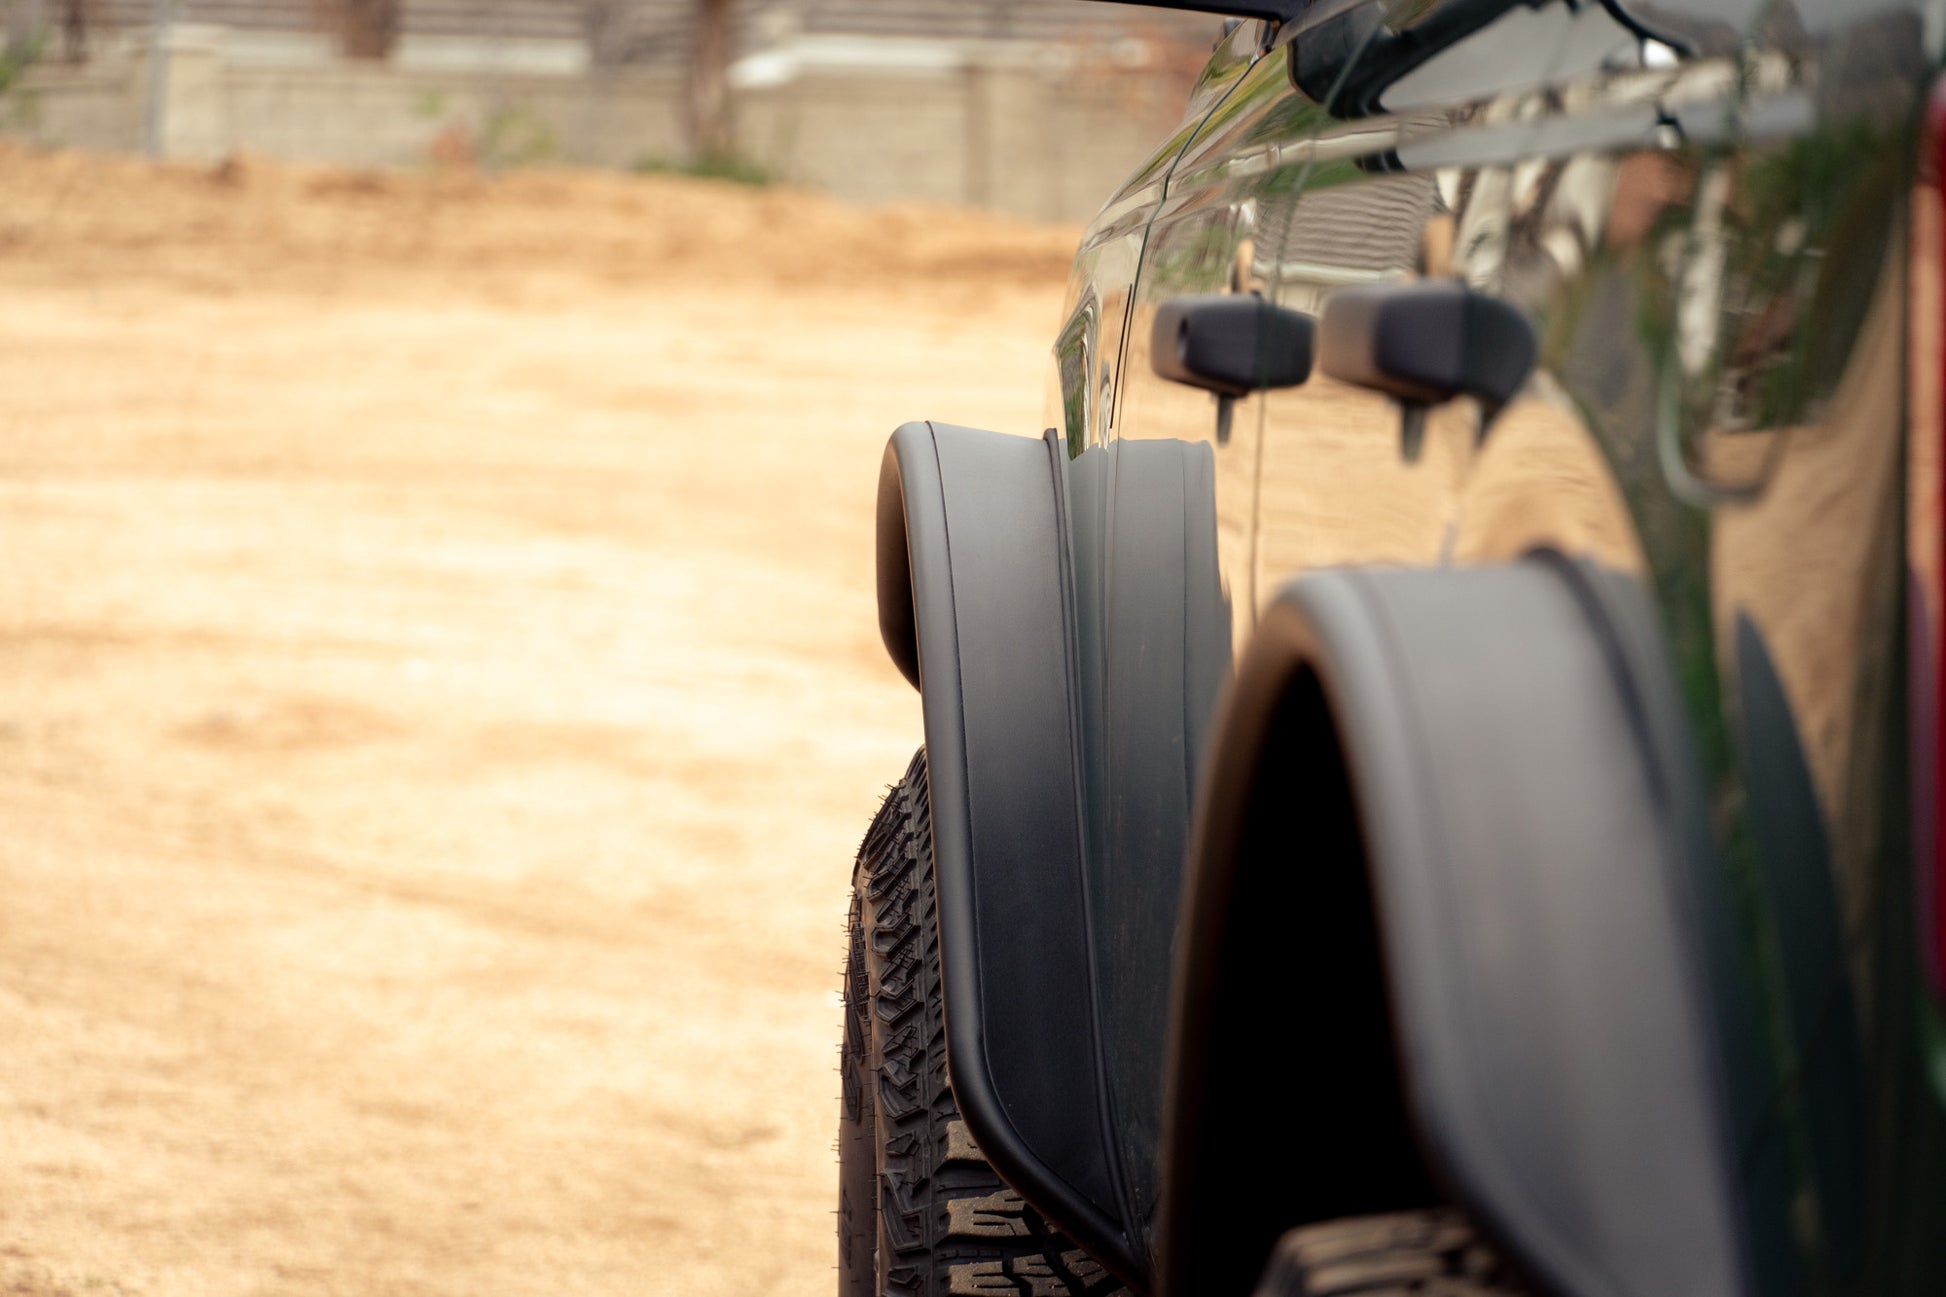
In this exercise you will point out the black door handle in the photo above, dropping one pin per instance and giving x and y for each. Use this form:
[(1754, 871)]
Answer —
[(1424, 342), (1232, 344)]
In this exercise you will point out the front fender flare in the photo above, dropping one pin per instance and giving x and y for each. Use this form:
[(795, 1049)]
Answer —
[(976, 608)]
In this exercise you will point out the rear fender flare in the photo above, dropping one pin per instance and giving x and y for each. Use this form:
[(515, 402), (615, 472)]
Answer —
[(1513, 905)]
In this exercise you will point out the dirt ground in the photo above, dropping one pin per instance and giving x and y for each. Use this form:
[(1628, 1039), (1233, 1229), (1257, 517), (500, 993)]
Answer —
[(439, 700)]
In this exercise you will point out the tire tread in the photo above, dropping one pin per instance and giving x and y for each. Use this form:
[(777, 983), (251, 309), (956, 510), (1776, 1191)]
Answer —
[(946, 1223), (1431, 1253)]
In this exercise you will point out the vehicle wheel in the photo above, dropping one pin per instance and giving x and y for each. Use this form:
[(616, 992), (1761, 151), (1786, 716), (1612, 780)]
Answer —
[(1430, 1252), (941, 1221), (857, 1136)]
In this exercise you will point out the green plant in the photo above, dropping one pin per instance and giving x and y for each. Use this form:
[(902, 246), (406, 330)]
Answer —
[(710, 166), (19, 106), (17, 56), (514, 135)]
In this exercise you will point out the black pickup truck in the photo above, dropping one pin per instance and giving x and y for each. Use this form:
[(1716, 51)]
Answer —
[(1432, 763)]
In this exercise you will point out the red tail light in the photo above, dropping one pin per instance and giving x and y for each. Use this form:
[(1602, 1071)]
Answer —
[(1926, 522)]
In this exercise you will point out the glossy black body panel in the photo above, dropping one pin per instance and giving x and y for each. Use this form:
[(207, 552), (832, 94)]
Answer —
[(1701, 211), (1707, 238)]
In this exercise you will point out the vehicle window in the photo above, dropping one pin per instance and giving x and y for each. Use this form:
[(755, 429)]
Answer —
[(1395, 55), (1231, 58), (1719, 26), (1530, 47), (1361, 58)]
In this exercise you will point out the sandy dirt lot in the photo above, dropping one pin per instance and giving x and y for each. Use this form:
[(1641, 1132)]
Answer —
[(439, 699)]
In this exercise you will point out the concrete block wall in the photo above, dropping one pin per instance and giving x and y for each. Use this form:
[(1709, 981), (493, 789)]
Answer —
[(1039, 139), (93, 106), (361, 115), (1029, 142)]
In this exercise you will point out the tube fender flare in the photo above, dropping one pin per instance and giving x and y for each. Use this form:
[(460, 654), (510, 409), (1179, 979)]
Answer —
[(1530, 823), (976, 609)]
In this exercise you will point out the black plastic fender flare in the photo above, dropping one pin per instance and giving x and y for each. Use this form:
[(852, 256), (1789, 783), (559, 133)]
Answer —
[(976, 608), (1525, 834)]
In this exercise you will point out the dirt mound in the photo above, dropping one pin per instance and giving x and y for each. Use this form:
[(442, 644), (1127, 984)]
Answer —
[(247, 222), (440, 696)]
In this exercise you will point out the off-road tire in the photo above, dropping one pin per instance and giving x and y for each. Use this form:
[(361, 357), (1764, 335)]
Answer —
[(1435, 1253), (941, 1222), (857, 1125)]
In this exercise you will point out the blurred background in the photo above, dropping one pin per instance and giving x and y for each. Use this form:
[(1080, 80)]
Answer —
[(1035, 107), (440, 693)]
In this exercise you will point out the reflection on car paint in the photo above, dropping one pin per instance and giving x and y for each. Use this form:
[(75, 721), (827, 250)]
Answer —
[(1704, 229)]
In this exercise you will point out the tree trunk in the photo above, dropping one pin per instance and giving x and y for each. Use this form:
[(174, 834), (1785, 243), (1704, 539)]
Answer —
[(74, 30), (706, 99), (366, 29), (373, 28), (605, 24)]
